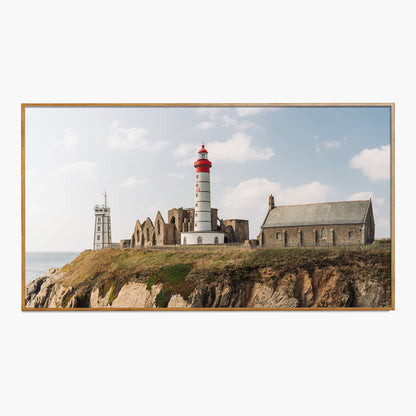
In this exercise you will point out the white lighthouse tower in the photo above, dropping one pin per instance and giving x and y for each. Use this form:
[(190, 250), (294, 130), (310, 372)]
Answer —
[(203, 233), (102, 227)]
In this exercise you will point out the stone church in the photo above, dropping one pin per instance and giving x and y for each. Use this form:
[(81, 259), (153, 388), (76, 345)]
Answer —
[(161, 233), (323, 224)]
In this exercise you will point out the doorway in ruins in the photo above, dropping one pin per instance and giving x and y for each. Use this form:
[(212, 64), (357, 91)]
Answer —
[(173, 221)]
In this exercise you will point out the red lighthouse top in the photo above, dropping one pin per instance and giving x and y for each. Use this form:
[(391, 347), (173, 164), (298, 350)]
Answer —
[(202, 164)]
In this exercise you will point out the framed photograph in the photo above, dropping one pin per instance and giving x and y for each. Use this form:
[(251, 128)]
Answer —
[(208, 207)]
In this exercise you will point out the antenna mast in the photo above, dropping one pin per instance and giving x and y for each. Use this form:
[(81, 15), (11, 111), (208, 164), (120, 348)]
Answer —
[(105, 199)]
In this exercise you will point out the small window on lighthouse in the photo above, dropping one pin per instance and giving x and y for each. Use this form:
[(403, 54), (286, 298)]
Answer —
[(98, 237), (98, 228)]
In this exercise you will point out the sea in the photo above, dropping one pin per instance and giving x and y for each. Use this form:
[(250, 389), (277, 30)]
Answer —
[(38, 262)]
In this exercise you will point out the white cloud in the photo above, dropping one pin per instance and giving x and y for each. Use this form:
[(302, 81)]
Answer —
[(210, 112), (83, 167), (249, 199), (70, 140), (132, 181), (331, 144), (374, 163), (359, 196), (205, 125), (254, 193), (176, 175), (232, 122), (185, 149), (248, 111), (238, 149), (130, 138)]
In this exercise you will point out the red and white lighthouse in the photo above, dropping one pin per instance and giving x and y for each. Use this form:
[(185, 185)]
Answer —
[(203, 233), (202, 218)]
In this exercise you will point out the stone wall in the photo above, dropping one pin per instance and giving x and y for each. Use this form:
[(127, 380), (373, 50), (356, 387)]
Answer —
[(239, 229), (125, 243), (312, 236), (181, 220)]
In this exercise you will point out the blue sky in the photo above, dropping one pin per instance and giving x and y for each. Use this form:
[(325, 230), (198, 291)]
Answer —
[(143, 158)]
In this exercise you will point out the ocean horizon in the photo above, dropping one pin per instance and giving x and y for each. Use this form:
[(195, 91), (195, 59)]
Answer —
[(37, 262)]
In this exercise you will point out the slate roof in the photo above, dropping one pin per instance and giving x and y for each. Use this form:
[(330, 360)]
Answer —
[(327, 213)]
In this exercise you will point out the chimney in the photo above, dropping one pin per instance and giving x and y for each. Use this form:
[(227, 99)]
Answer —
[(271, 202)]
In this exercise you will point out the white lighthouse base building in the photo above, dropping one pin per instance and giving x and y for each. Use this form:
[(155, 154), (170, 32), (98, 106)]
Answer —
[(202, 237)]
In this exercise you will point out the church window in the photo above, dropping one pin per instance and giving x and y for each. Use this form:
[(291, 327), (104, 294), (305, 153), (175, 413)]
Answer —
[(158, 227), (147, 235), (323, 233), (351, 234), (278, 236), (216, 240), (199, 240)]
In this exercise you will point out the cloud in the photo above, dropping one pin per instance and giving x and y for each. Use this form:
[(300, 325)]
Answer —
[(83, 167), (131, 138), (359, 196), (331, 144), (210, 112), (185, 149), (176, 175), (238, 149), (374, 163), (249, 199), (248, 111), (233, 123), (70, 140), (254, 193), (205, 125), (132, 181)]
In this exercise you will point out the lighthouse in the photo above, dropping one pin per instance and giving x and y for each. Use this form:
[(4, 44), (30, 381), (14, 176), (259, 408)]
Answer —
[(203, 233)]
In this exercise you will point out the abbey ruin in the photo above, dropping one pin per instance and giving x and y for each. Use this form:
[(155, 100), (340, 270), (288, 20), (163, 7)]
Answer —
[(181, 220)]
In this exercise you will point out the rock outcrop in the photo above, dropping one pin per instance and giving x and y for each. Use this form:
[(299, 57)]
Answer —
[(324, 288)]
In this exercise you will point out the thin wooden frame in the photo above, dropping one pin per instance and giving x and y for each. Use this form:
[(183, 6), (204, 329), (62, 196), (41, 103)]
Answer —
[(392, 199)]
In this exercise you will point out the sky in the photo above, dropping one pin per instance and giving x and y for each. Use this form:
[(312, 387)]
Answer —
[(143, 158)]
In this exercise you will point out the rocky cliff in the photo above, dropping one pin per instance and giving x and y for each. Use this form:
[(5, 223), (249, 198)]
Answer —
[(217, 278)]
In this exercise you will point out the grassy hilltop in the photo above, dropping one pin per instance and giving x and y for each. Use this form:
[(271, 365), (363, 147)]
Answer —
[(217, 276)]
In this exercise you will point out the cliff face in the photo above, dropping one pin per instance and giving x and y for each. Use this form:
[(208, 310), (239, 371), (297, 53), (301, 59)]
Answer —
[(242, 279)]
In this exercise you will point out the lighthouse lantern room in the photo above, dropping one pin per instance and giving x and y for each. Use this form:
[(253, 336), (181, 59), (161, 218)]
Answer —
[(203, 233)]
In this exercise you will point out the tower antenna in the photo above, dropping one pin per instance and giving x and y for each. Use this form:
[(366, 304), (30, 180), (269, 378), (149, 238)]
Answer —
[(105, 199)]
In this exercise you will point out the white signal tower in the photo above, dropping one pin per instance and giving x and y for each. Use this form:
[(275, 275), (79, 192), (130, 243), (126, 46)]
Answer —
[(102, 226)]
